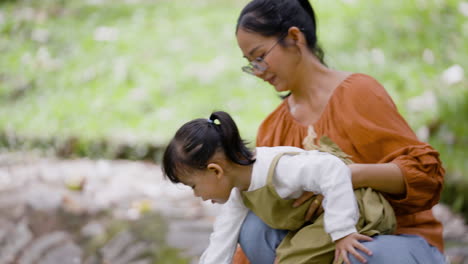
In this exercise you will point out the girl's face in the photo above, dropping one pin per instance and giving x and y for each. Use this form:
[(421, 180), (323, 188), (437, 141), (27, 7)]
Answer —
[(279, 62), (208, 185)]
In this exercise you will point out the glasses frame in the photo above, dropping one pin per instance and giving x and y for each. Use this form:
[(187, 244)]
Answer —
[(259, 64)]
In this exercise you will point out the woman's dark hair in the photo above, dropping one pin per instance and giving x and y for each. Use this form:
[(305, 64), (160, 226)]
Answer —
[(274, 18), (195, 143)]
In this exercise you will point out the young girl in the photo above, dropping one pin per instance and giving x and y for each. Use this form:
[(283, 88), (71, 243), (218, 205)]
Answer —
[(210, 156)]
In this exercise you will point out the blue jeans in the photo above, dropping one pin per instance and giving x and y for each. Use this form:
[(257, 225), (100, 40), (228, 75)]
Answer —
[(259, 243)]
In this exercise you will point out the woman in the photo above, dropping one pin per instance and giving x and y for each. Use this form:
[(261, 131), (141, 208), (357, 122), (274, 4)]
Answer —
[(278, 38)]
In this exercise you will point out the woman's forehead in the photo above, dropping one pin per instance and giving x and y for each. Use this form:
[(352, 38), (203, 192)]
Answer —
[(249, 42), (244, 36)]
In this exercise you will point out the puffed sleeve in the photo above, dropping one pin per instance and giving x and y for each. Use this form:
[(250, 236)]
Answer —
[(424, 177), (321, 173), (226, 229), (379, 134)]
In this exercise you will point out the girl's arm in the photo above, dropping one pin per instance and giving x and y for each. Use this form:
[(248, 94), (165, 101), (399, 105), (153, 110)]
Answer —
[(226, 229), (382, 177), (326, 174)]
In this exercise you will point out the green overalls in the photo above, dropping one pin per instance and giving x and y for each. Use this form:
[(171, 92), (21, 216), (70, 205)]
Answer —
[(307, 242)]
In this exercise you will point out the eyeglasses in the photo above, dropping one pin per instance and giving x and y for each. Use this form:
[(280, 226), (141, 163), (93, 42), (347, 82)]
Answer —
[(259, 65)]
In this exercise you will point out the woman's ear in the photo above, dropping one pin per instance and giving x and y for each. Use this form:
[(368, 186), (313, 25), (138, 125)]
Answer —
[(216, 169), (295, 35)]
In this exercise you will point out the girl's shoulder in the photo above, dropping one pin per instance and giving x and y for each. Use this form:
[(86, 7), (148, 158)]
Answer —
[(263, 151), (270, 152)]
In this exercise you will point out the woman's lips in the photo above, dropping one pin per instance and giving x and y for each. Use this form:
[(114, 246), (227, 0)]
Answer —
[(271, 80)]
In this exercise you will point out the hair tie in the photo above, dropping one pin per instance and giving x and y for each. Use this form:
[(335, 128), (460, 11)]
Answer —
[(216, 121)]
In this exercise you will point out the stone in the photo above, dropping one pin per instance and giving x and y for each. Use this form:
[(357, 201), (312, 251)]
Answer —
[(131, 253), (15, 241), (93, 229), (69, 253), (44, 197), (40, 246), (117, 245)]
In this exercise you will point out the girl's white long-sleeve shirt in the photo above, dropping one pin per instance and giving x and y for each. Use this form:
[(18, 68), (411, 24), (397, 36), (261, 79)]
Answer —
[(313, 171)]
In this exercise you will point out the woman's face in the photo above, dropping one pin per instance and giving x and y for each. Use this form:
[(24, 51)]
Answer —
[(269, 52)]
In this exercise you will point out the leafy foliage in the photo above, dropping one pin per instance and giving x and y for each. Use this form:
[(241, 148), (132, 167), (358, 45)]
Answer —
[(134, 71)]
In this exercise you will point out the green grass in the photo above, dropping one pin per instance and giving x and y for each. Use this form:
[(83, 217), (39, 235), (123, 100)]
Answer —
[(172, 61), (167, 65)]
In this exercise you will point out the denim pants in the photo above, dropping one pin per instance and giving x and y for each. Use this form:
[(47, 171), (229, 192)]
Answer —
[(259, 242)]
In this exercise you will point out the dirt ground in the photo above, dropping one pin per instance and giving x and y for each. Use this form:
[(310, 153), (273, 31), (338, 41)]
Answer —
[(58, 211)]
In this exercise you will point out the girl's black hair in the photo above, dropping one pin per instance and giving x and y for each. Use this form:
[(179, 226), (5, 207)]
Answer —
[(275, 17), (195, 143)]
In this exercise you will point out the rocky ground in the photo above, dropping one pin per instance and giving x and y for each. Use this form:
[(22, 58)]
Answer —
[(102, 211)]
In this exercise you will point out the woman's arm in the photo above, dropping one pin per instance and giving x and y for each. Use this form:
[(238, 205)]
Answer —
[(383, 177), (379, 135)]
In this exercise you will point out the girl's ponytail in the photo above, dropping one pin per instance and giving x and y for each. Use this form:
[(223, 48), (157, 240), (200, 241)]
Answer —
[(233, 145), (195, 143)]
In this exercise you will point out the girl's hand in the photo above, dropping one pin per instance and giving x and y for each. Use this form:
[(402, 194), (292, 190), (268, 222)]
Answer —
[(349, 244), (315, 207)]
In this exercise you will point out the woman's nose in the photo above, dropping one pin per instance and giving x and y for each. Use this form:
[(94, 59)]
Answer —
[(259, 73)]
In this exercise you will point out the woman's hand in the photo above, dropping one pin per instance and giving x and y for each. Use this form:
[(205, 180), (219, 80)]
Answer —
[(349, 244), (315, 207)]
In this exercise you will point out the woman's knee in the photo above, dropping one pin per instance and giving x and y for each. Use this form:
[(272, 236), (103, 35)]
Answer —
[(378, 256), (252, 229), (399, 249), (255, 236)]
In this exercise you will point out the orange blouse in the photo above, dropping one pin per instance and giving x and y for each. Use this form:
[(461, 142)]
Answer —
[(364, 121)]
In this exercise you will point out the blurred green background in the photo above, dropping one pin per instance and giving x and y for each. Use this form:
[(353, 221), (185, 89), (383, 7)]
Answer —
[(116, 78)]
